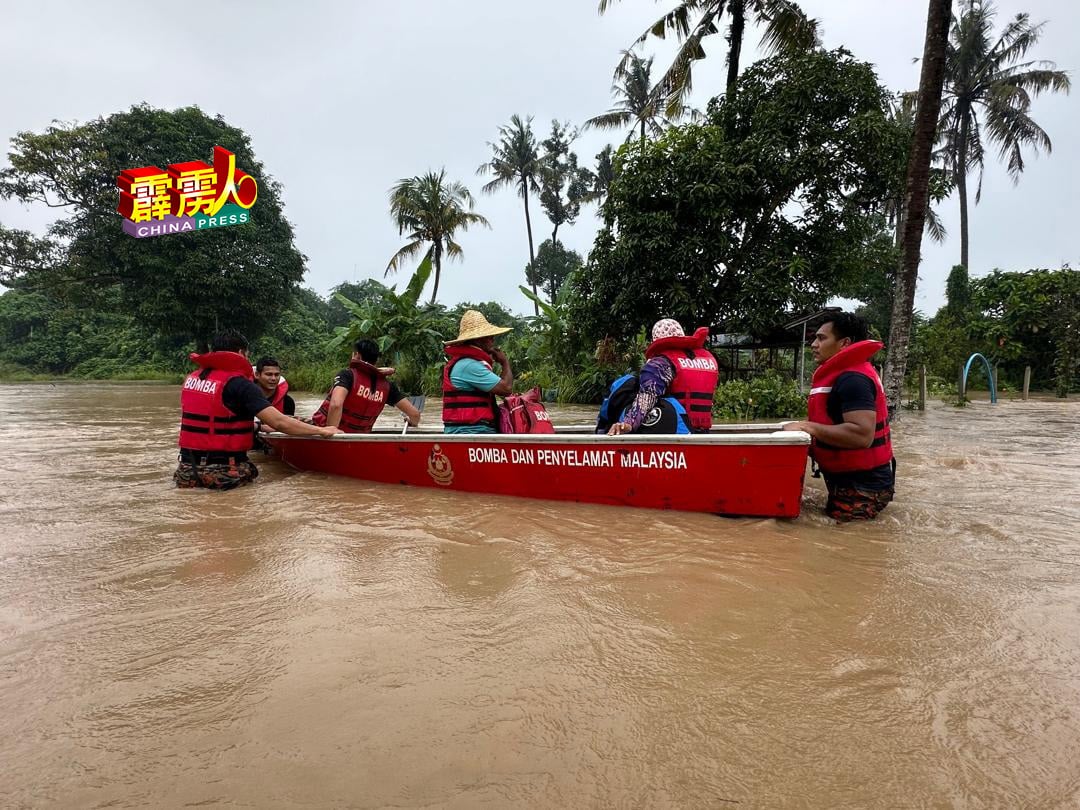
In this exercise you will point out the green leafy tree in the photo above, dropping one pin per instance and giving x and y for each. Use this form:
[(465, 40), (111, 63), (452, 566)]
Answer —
[(604, 175), (554, 264), (761, 211), (564, 186), (431, 211), (298, 335), (186, 285), (787, 31), (515, 161), (1031, 319), (988, 93), (358, 292), (41, 334), (958, 298), (495, 312)]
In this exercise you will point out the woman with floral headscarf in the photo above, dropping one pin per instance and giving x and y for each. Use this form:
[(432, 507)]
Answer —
[(677, 366)]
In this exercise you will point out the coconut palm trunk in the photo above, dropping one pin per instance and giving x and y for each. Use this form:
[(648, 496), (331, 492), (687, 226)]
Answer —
[(917, 195), (961, 188), (436, 260), (737, 9), (532, 251)]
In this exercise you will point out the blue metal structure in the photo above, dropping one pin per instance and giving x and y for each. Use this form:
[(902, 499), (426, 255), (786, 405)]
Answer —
[(989, 376)]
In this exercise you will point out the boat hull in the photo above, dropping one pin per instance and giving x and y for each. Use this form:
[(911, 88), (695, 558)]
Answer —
[(753, 473)]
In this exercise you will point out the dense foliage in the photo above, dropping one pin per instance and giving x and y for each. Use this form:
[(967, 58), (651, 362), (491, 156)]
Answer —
[(774, 205), (769, 395), (1014, 319), (185, 286)]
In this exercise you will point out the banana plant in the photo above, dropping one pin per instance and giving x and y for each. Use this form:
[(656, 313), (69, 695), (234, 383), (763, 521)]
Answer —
[(402, 327)]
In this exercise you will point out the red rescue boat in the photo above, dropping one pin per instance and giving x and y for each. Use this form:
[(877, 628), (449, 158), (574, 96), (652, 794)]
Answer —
[(733, 470)]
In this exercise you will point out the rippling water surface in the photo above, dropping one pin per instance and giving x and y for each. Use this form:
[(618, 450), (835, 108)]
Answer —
[(321, 642)]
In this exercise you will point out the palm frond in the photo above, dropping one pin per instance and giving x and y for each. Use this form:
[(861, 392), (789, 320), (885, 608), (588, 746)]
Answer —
[(612, 119), (935, 228), (787, 28), (403, 253), (677, 82), (1039, 80)]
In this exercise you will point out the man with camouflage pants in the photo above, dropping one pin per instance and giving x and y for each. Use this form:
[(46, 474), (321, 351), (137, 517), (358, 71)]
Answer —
[(219, 403)]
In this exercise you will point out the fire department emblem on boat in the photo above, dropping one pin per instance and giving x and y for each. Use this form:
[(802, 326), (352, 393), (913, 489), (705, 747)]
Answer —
[(438, 467)]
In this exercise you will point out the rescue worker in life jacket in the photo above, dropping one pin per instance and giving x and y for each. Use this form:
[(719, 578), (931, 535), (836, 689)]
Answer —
[(469, 383), (268, 378), (219, 403), (677, 366), (360, 392), (848, 420), (276, 390)]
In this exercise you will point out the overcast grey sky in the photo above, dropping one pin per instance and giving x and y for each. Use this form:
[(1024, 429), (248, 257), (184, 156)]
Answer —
[(343, 99)]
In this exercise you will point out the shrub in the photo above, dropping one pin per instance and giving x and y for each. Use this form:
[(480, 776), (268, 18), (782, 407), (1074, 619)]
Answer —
[(315, 378), (769, 396)]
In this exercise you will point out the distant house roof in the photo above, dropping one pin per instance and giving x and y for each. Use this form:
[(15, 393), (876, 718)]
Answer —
[(785, 335), (808, 319)]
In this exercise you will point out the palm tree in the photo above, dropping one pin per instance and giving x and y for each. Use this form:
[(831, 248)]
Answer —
[(431, 210), (787, 30), (986, 74), (516, 162), (637, 107), (917, 196)]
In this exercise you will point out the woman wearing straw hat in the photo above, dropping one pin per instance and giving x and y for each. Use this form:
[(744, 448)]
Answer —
[(469, 384)]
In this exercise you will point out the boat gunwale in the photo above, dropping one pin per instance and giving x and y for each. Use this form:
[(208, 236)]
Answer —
[(775, 437)]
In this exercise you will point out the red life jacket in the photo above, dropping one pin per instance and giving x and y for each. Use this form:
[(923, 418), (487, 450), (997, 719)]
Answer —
[(205, 423), (834, 459), (363, 403), (279, 395), (278, 399), (467, 407), (696, 374)]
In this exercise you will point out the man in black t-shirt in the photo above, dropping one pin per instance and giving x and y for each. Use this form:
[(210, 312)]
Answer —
[(368, 352), (226, 469), (851, 435), (853, 392)]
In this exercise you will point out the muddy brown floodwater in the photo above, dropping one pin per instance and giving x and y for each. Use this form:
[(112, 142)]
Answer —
[(322, 642)]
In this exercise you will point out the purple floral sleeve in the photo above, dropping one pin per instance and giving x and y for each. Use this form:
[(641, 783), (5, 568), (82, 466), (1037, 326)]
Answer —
[(656, 375)]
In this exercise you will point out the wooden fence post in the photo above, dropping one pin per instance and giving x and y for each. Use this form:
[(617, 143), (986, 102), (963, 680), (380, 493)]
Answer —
[(960, 387), (922, 388), (1027, 381)]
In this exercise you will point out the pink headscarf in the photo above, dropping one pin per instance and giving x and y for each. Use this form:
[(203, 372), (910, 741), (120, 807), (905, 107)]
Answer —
[(668, 327)]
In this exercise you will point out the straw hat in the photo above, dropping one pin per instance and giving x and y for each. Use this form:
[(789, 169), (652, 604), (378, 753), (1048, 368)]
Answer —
[(474, 325)]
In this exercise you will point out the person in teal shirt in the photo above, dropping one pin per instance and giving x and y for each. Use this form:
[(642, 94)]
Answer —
[(470, 383)]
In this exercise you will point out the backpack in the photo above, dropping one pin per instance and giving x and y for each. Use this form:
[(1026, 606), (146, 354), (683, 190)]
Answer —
[(524, 413), (667, 417)]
